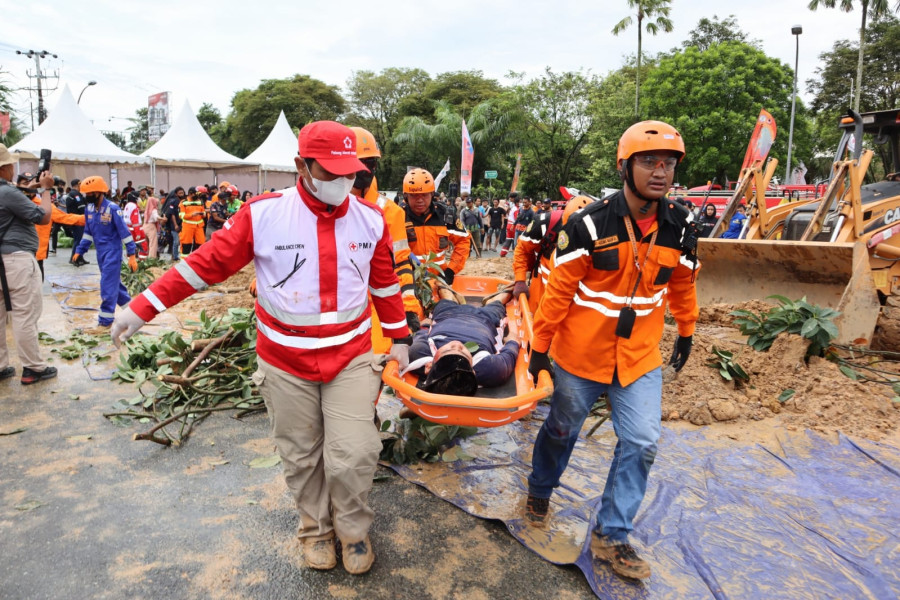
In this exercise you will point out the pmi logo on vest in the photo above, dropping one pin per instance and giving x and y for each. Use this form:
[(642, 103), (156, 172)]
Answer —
[(354, 246)]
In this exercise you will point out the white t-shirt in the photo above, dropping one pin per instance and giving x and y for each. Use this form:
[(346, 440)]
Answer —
[(128, 213)]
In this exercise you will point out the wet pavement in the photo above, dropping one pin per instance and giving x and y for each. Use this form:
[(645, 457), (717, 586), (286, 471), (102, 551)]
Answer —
[(85, 512)]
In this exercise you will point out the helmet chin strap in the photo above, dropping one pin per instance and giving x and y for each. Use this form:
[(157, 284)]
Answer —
[(629, 179)]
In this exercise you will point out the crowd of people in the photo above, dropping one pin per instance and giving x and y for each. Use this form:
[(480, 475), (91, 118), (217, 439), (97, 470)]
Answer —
[(334, 261)]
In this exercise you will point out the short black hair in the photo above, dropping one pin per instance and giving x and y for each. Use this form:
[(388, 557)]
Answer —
[(451, 374)]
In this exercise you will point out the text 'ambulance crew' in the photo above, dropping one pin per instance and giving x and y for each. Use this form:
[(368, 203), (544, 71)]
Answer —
[(618, 263), (431, 227), (318, 251)]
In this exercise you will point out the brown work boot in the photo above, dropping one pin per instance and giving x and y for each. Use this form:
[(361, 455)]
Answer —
[(319, 554), (621, 556), (358, 556), (536, 511)]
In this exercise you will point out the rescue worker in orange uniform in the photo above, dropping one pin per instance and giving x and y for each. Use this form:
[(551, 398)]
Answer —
[(366, 187), (618, 264), (536, 246), (56, 216), (431, 227), (191, 210)]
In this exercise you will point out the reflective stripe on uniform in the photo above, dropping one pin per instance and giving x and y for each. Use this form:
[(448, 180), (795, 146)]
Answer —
[(127, 240), (107, 315), (87, 237), (309, 343), (609, 312), (592, 230), (561, 260), (684, 260), (191, 276), (401, 245), (620, 299), (438, 256), (326, 318), (396, 325), (153, 300), (385, 292)]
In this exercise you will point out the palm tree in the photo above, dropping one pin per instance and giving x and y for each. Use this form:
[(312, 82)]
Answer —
[(875, 8), (657, 14)]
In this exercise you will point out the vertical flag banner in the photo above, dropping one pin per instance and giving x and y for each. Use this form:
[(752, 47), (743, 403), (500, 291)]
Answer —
[(158, 115), (468, 157), (515, 181), (5, 123), (441, 175), (761, 140)]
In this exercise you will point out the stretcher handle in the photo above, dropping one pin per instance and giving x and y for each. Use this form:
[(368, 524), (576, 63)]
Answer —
[(391, 377)]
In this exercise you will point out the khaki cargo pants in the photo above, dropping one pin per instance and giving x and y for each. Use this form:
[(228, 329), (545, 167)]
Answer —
[(328, 442), (24, 278)]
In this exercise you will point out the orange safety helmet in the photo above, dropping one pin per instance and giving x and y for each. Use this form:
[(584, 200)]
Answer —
[(366, 144), (225, 184), (418, 181), (575, 204), (647, 136), (94, 183)]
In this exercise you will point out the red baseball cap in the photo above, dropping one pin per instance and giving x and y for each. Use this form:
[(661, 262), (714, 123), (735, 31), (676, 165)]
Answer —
[(332, 145)]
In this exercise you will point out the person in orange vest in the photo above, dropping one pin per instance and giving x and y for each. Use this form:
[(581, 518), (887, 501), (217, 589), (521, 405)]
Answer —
[(619, 263), (191, 210), (56, 216), (433, 227), (535, 248), (366, 187)]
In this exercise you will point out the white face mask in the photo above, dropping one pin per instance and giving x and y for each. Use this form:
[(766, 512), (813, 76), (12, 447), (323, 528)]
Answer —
[(332, 192)]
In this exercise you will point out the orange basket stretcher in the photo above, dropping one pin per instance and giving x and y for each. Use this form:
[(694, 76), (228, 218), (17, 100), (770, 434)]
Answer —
[(491, 407)]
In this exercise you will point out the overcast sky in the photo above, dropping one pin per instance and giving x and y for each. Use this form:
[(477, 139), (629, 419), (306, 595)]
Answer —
[(206, 51)]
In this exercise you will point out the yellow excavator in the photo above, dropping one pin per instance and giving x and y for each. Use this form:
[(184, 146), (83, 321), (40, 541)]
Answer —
[(841, 250)]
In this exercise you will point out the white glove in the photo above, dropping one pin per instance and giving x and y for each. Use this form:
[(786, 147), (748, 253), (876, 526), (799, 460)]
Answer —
[(125, 326), (400, 353)]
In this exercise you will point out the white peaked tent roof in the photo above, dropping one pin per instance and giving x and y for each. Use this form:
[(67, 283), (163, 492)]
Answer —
[(187, 144), (72, 137), (277, 152)]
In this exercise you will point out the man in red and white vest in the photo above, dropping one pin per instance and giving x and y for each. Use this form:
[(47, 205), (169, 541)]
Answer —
[(319, 253)]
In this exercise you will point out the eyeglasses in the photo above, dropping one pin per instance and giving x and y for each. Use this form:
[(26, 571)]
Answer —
[(652, 162)]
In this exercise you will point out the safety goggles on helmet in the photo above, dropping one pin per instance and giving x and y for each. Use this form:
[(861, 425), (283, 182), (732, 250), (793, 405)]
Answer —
[(651, 162)]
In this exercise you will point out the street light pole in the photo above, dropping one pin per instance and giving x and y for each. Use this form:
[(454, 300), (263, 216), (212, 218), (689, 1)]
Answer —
[(796, 30), (90, 83)]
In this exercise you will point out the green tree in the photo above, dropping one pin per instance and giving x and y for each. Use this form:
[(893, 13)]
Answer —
[(254, 112), (873, 8), (715, 31), (462, 89), (553, 118), (831, 85), (117, 138), (15, 129), (657, 14), (714, 97), (139, 132), (209, 116), (613, 113), (378, 102)]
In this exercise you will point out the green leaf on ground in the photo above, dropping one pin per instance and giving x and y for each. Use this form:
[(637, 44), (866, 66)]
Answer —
[(265, 462), (30, 505), (454, 454), (74, 397), (849, 372), (786, 395)]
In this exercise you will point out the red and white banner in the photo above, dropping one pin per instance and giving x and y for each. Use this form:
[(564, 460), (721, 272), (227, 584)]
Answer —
[(761, 140), (468, 157), (5, 123), (515, 182), (158, 115)]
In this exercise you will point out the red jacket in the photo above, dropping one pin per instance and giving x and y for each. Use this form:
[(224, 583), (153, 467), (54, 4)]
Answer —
[(315, 269)]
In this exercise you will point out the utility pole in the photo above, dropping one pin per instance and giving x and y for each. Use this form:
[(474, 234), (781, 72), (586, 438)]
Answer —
[(39, 76)]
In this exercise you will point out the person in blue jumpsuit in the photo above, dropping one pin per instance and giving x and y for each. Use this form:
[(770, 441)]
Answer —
[(105, 227), (736, 224)]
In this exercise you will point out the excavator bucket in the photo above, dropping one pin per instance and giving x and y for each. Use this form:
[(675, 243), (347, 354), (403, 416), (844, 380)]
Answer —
[(835, 275)]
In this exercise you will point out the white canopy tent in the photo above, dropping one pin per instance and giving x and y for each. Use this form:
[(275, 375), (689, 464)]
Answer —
[(275, 156), (198, 159), (78, 147)]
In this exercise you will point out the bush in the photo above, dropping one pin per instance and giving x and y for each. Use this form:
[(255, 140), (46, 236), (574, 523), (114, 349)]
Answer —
[(810, 321)]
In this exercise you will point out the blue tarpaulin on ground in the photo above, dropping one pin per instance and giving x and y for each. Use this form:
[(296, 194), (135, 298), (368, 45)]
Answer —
[(797, 517)]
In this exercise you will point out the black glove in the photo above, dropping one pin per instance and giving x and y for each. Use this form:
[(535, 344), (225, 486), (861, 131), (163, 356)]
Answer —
[(520, 288), (449, 275), (539, 361), (682, 352), (412, 320)]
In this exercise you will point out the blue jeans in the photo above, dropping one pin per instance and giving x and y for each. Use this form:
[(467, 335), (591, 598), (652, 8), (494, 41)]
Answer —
[(636, 414)]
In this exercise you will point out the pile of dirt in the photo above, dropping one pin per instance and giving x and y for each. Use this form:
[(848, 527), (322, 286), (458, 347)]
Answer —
[(824, 399), (489, 267), (887, 331), (720, 314), (231, 293)]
